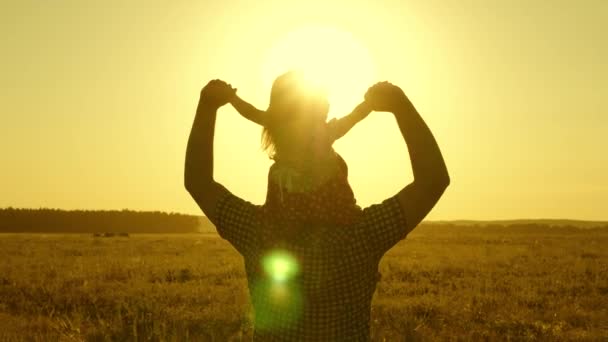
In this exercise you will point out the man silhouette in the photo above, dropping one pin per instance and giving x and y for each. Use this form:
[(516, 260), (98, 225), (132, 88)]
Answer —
[(319, 286)]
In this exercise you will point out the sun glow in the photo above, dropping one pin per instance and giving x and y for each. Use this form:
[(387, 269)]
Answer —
[(333, 58)]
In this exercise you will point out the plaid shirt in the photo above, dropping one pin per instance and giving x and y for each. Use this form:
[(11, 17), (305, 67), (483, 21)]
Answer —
[(329, 299)]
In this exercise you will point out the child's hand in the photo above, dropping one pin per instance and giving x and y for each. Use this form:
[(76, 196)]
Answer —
[(386, 97), (213, 94), (217, 93), (226, 91)]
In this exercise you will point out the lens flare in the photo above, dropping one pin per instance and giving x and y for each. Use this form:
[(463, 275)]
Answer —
[(273, 299), (280, 265), (278, 293)]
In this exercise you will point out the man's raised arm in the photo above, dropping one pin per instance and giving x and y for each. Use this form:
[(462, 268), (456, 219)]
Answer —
[(430, 173), (198, 174)]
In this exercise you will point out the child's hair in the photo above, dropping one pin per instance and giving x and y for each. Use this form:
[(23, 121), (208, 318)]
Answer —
[(292, 98)]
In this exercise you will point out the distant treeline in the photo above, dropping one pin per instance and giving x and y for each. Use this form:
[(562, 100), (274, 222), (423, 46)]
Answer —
[(541, 226), (128, 221), (96, 221)]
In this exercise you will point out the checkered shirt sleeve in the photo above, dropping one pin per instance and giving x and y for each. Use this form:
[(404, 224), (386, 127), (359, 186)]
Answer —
[(381, 227), (237, 221)]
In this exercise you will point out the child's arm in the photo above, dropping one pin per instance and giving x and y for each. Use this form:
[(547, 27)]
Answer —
[(342, 125), (247, 110)]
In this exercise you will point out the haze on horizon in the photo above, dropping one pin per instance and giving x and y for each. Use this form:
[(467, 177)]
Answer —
[(98, 97)]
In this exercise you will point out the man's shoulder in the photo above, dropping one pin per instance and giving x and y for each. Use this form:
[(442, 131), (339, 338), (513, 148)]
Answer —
[(380, 213), (237, 219), (379, 228), (231, 205)]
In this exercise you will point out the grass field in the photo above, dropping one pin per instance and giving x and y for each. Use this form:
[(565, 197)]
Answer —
[(439, 284)]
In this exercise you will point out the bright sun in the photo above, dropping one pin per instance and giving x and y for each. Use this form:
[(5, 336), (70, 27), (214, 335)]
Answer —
[(329, 56)]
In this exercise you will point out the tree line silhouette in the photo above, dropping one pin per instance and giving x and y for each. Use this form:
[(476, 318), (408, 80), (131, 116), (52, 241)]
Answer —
[(14, 220), (528, 227)]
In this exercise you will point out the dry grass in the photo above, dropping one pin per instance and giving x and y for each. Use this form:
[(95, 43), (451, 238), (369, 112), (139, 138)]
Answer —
[(439, 284)]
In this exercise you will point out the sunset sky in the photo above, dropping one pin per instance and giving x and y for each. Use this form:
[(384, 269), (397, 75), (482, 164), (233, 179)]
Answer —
[(98, 97)]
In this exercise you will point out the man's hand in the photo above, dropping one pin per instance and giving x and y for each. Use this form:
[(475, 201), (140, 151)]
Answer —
[(216, 94), (386, 97)]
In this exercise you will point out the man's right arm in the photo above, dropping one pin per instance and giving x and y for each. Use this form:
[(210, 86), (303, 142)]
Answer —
[(232, 216), (430, 172), (198, 171)]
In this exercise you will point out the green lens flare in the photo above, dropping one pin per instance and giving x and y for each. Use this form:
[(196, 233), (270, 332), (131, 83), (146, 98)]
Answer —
[(277, 304), (280, 265), (277, 294)]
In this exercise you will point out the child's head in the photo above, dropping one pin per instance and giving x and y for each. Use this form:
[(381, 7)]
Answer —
[(296, 107)]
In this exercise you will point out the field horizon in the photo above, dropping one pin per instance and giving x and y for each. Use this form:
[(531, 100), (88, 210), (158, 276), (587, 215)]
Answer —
[(440, 283), (46, 220)]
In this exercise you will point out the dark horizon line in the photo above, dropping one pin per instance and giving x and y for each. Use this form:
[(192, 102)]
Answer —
[(428, 221)]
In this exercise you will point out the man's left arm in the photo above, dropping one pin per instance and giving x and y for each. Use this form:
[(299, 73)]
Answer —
[(387, 223)]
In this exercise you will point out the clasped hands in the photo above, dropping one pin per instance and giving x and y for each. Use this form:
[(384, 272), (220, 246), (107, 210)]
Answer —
[(382, 96)]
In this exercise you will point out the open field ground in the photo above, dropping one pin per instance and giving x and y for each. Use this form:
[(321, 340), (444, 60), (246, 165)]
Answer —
[(440, 283)]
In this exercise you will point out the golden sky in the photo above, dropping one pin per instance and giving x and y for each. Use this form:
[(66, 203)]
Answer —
[(97, 98)]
